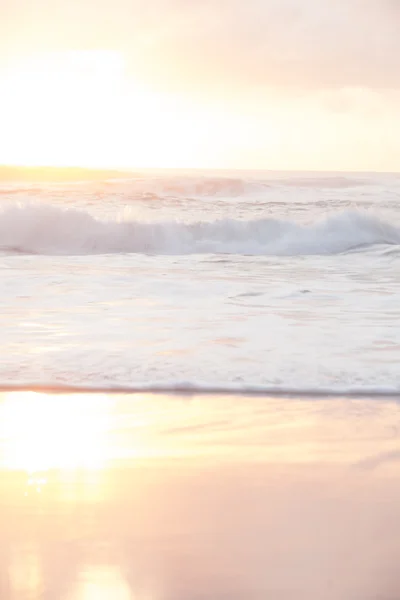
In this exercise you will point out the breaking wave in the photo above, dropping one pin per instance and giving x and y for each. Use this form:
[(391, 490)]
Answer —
[(43, 229)]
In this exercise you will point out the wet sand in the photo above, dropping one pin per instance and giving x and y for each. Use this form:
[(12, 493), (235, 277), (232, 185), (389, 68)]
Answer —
[(178, 497)]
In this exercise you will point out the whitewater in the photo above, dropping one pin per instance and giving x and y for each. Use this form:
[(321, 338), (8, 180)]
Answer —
[(232, 281)]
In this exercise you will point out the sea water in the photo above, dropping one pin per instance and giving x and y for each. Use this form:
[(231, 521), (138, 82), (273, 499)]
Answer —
[(266, 306), (225, 280)]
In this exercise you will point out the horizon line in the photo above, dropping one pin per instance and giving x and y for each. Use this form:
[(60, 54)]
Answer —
[(132, 170)]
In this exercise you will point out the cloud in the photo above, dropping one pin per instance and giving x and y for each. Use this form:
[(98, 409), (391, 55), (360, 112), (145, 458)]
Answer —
[(284, 43), (293, 44), (373, 462)]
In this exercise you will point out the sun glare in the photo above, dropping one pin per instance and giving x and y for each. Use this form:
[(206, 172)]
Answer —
[(53, 106), (81, 109), (41, 432)]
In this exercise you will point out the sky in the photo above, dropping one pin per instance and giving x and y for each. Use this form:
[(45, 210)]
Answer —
[(254, 84)]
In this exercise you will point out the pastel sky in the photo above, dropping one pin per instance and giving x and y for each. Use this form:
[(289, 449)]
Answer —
[(271, 84)]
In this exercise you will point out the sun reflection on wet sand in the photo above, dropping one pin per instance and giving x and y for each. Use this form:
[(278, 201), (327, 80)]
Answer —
[(178, 498), (101, 582), (43, 432)]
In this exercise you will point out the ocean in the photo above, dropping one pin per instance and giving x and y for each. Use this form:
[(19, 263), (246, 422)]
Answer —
[(208, 373), (231, 280)]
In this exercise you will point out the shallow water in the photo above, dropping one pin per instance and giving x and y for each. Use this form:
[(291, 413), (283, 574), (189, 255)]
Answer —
[(189, 497), (246, 280)]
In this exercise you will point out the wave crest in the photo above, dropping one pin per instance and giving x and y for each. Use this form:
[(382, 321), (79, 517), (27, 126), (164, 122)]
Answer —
[(43, 229)]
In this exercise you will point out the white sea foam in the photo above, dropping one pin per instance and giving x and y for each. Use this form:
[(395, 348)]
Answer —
[(110, 285), (44, 229)]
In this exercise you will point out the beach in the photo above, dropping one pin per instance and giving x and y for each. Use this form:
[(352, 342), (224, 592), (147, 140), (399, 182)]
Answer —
[(208, 403), (199, 300), (186, 496)]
